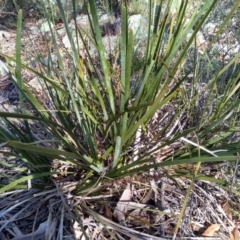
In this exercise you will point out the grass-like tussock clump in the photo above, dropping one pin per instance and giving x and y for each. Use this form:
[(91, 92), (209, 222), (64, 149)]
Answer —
[(106, 120)]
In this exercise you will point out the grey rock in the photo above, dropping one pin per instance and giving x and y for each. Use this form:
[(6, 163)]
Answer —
[(105, 18), (110, 44), (45, 27), (76, 40), (225, 50), (82, 23), (4, 36), (3, 99), (210, 28), (50, 60), (139, 25), (36, 83)]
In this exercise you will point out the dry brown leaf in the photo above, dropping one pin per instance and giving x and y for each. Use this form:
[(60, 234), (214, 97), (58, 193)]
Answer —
[(211, 230), (235, 235), (139, 217), (121, 207), (227, 209), (148, 196), (108, 211)]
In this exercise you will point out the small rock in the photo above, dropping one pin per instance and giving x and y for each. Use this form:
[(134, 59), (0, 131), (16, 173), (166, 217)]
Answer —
[(3, 69), (45, 26), (82, 22), (67, 44), (110, 44), (47, 60), (138, 24), (210, 28), (4, 36), (105, 18), (36, 83)]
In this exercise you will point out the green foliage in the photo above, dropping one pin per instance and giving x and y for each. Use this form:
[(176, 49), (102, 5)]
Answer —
[(10, 5), (50, 9)]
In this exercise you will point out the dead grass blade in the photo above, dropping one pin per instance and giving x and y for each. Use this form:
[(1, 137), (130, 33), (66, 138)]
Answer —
[(38, 234), (27, 216), (121, 229)]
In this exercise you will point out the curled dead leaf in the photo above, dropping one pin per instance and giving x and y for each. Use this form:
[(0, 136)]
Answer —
[(235, 235), (108, 211), (210, 231), (227, 209), (121, 207)]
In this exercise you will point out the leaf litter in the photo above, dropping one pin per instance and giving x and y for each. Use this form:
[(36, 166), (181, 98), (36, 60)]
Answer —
[(145, 204)]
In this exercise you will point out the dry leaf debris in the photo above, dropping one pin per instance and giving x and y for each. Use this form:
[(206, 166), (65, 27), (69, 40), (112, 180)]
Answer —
[(147, 203), (235, 234), (210, 231)]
